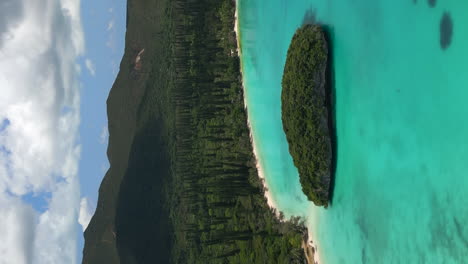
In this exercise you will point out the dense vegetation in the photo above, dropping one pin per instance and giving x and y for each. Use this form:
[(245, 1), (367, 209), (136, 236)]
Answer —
[(305, 112), (190, 192)]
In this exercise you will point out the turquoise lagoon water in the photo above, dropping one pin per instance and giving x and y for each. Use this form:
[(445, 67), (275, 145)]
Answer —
[(401, 193)]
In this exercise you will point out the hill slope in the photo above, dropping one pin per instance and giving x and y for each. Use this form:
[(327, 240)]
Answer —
[(122, 104)]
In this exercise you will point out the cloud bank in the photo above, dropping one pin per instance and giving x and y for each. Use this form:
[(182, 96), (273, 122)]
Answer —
[(39, 107)]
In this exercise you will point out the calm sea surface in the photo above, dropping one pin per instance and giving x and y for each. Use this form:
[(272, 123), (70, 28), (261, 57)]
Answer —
[(401, 80)]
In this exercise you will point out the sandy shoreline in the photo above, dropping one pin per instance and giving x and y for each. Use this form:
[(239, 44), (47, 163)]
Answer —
[(309, 246), (261, 174)]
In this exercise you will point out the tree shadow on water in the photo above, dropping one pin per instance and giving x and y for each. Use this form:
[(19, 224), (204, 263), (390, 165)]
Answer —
[(309, 18)]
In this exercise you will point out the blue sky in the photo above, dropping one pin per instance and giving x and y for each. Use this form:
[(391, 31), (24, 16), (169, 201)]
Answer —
[(58, 60), (104, 29)]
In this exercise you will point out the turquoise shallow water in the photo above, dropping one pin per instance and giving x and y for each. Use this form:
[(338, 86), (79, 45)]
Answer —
[(401, 193)]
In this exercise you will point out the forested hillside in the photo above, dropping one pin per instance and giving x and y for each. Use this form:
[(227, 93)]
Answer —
[(190, 192), (144, 21)]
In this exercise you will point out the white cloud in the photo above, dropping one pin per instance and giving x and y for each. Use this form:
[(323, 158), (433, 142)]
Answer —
[(39, 44), (110, 25), (56, 229), (104, 136), (17, 226), (90, 66), (86, 212), (111, 39)]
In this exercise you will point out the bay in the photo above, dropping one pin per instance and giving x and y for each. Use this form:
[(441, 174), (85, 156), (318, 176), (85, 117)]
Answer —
[(401, 87)]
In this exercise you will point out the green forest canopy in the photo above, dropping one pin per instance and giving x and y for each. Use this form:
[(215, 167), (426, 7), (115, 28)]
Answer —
[(305, 112)]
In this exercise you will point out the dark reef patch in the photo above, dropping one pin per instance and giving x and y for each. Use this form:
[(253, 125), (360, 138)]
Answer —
[(446, 30), (363, 256), (432, 3), (460, 233)]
